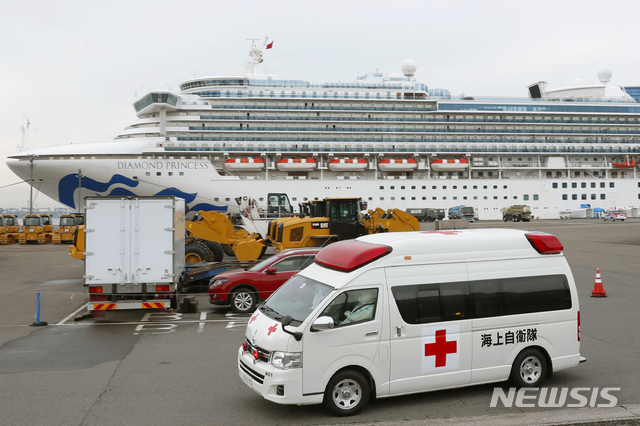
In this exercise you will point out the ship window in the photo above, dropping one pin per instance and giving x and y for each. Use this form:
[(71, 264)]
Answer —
[(424, 187), (555, 184), (393, 198), (593, 196), (170, 173), (424, 198), (577, 173), (475, 186), (181, 173), (515, 197), (505, 197), (602, 196), (434, 198), (593, 184), (564, 184), (574, 184), (382, 187), (485, 198), (583, 184), (455, 198), (549, 174), (294, 199), (413, 187), (444, 198), (484, 187), (433, 187), (495, 186), (495, 197), (444, 187), (475, 197), (381, 198), (574, 196), (402, 198), (455, 187), (612, 184), (504, 187), (370, 198), (402, 187), (602, 184), (148, 173), (525, 197), (535, 197), (393, 187), (262, 199), (216, 199), (564, 196)]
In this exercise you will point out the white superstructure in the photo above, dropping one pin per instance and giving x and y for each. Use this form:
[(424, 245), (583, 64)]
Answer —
[(398, 144)]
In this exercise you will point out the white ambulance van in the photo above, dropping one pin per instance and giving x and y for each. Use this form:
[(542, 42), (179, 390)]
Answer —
[(399, 313)]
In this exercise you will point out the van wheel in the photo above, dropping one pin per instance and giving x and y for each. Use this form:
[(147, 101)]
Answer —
[(529, 368), (347, 393), (243, 301)]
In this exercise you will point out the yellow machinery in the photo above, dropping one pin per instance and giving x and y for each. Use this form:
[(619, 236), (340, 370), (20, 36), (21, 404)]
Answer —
[(329, 220), (9, 229), (67, 229), (37, 229)]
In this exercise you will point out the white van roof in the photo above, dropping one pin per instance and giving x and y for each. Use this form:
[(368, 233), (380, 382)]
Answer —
[(444, 246)]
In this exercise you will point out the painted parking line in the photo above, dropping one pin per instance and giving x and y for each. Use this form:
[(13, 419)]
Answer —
[(73, 314)]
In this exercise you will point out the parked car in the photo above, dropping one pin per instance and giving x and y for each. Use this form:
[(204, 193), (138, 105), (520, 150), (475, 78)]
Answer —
[(243, 289), (566, 214), (615, 214)]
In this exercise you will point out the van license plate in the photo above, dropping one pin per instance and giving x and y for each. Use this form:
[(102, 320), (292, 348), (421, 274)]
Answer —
[(247, 379)]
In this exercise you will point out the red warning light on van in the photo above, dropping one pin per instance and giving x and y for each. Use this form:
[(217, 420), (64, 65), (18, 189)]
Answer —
[(350, 254)]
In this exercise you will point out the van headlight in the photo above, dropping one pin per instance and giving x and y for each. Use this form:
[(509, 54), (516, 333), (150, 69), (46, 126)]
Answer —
[(218, 282), (286, 360)]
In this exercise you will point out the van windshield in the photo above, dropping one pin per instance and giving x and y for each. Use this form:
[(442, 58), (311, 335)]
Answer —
[(297, 298)]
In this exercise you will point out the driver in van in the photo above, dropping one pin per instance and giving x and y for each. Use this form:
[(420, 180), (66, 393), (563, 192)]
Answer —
[(364, 309)]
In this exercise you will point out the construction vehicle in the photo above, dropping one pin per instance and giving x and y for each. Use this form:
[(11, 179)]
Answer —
[(342, 219), (9, 229), (463, 212), (37, 228), (67, 228), (134, 253), (516, 213)]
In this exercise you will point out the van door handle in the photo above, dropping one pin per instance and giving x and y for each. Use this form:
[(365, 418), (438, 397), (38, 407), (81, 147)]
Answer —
[(371, 333), (399, 331)]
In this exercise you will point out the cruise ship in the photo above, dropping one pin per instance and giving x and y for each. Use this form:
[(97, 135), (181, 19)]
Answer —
[(387, 138)]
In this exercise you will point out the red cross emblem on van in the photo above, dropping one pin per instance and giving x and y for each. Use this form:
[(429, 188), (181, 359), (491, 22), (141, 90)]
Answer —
[(440, 348)]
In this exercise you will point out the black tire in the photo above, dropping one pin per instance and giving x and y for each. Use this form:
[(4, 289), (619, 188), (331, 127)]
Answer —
[(243, 301), (217, 252), (529, 369), (197, 251), (227, 250), (504, 218), (347, 393)]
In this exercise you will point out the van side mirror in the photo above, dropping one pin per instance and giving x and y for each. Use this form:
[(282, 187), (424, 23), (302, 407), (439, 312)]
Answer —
[(271, 270), (286, 321), (322, 323)]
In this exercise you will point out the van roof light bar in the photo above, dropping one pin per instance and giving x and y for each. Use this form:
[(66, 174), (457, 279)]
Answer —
[(346, 256), (545, 243)]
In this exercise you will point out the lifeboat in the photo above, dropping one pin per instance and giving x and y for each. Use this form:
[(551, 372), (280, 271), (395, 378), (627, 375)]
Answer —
[(450, 164), (397, 164), (348, 164), (296, 164), (628, 164), (244, 164)]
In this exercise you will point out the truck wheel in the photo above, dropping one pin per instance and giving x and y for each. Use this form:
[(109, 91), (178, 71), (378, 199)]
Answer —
[(243, 301), (504, 218), (217, 252), (529, 368), (196, 251), (347, 393)]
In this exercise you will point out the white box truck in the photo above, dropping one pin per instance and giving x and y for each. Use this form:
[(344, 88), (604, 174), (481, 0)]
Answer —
[(134, 252)]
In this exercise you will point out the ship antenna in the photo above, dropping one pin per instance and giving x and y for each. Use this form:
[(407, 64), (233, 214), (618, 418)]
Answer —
[(255, 53), (24, 128)]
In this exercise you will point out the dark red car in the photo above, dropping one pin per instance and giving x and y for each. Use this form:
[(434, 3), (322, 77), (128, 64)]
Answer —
[(243, 289)]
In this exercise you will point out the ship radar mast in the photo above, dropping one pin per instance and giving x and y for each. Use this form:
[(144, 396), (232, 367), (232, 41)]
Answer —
[(255, 55)]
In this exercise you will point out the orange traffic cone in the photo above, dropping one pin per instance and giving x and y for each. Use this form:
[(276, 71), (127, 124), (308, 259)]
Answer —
[(598, 290)]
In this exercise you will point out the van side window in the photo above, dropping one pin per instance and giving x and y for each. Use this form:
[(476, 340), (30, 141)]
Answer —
[(353, 307), (424, 303)]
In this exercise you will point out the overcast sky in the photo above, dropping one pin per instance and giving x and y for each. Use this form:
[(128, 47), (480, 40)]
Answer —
[(75, 67)]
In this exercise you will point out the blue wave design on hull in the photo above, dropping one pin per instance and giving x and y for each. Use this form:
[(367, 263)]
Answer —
[(69, 184)]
